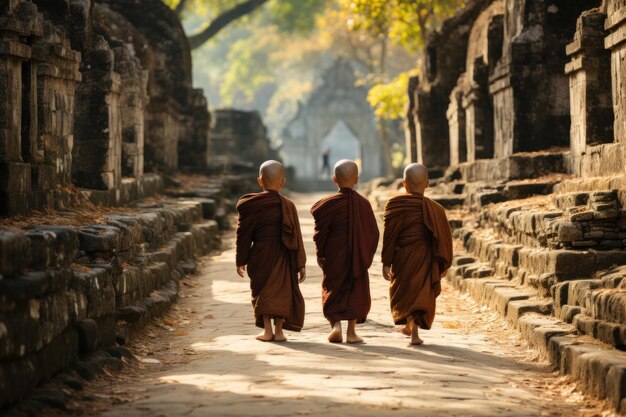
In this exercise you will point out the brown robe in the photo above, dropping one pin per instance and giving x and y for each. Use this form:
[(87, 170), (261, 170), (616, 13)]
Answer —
[(417, 244), (346, 236), (269, 242)]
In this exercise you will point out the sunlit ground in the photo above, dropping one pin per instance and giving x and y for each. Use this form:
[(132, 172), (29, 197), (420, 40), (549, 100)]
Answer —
[(461, 371)]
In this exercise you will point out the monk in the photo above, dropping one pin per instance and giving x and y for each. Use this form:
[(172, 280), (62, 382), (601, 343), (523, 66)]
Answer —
[(269, 242), (346, 237), (417, 252)]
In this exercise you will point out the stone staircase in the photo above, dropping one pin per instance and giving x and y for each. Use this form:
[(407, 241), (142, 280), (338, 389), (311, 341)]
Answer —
[(72, 296), (553, 268)]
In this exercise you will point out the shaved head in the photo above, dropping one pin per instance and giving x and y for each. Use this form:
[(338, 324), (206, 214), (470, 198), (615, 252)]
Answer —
[(346, 173), (416, 177), (271, 174)]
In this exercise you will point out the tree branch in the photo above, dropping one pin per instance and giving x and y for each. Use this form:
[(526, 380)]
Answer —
[(223, 20), (179, 7)]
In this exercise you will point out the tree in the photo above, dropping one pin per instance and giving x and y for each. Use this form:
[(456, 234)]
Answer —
[(224, 18), (407, 23), (288, 15)]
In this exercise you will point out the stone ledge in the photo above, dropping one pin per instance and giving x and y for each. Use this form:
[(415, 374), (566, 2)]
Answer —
[(71, 290), (599, 369)]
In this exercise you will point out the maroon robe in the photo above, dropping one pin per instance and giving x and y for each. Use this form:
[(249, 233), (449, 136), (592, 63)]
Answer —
[(346, 237), (417, 244), (269, 242)]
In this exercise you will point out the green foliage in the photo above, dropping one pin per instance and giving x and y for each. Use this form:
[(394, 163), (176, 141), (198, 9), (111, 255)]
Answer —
[(389, 100), (249, 69), (269, 60), (405, 22), (296, 17)]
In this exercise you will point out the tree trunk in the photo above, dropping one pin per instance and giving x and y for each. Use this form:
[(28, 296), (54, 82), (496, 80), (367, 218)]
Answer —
[(223, 20), (180, 7), (386, 145)]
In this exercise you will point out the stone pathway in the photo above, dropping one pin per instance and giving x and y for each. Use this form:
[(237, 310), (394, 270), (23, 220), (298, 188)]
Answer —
[(202, 360)]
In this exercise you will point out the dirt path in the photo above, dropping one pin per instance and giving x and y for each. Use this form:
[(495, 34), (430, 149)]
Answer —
[(202, 360)]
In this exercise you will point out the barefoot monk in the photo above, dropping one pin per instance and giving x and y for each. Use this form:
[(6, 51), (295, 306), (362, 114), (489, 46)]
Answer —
[(269, 243), (346, 237), (417, 252)]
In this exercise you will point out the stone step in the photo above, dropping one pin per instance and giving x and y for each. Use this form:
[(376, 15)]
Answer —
[(598, 367), (64, 287), (449, 201)]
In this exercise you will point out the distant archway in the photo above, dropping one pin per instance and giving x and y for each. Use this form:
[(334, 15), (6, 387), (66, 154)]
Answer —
[(342, 143)]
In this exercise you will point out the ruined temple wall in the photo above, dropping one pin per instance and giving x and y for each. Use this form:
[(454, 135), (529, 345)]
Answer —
[(529, 86), (445, 57), (597, 92), (69, 291), (97, 94), (484, 49), (174, 105), (39, 73), (616, 42), (548, 68), (240, 136)]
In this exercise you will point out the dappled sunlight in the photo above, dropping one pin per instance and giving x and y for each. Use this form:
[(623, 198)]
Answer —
[(231, 291), (461, 370)]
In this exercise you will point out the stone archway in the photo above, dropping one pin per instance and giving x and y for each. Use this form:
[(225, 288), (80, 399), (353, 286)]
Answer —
[(337, 108), (342, 143)]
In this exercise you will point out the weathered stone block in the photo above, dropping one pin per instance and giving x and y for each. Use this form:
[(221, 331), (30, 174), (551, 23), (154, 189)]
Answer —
[(14, 253), (95, 282), (87, 335), (586, 325), (570, 232), (582, 216), (99, 238), (24, 287)]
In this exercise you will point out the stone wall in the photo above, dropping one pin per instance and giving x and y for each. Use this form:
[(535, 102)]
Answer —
[(98, 107), (443, 64), (38, 75), (99, 93), (240, 136), (69, 291), (521, 77)]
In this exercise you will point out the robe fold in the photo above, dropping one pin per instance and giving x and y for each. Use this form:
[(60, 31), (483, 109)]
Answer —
[(269, 242), (417, 244), (346, 237)]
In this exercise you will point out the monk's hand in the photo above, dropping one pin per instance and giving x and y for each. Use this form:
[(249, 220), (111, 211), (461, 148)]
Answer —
[(241, 270), (320, 262), (301, 275), (387, 274)]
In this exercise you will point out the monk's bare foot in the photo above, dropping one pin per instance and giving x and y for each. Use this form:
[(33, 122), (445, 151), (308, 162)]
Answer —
[(406, 330), (354, 338), (335, 335), (351, 336), (415, 340), (279, 336), (265, 337)]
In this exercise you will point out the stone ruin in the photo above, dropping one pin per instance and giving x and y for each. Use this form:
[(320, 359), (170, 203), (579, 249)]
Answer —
[(98, 107), (99, 96), (239, 139), (337, 117), (520, 110)]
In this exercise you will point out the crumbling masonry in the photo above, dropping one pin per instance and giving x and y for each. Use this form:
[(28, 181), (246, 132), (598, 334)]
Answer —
[(96, 106), (98, 95)]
